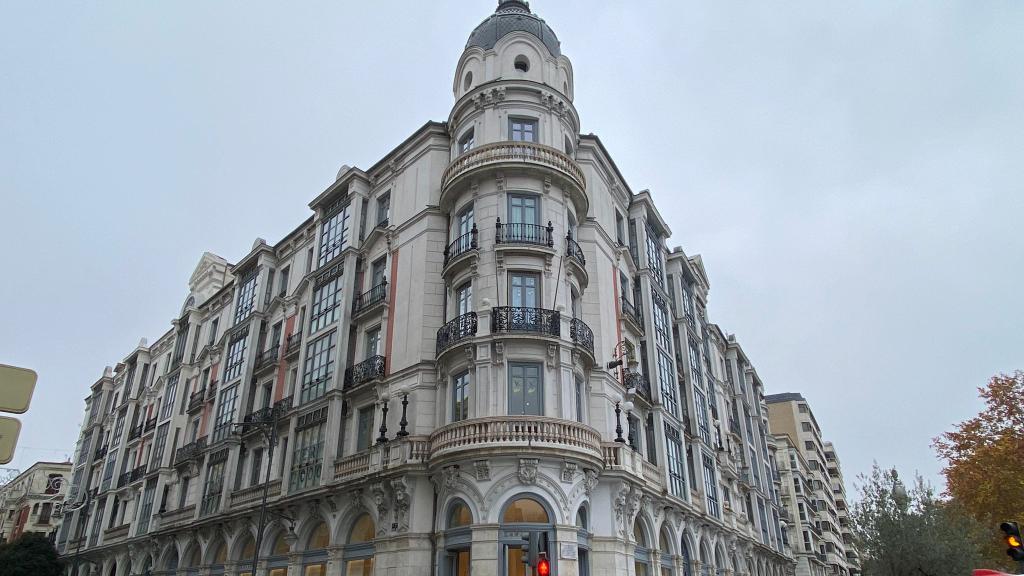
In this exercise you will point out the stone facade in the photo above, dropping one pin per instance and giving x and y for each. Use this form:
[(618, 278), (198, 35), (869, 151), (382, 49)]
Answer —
[(479, 337), (32, 500)]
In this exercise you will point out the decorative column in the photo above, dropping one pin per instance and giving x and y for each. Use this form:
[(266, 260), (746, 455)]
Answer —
[(334, 560)]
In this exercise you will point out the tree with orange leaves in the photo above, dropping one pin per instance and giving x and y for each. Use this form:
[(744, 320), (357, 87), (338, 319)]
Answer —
[(985, 458)]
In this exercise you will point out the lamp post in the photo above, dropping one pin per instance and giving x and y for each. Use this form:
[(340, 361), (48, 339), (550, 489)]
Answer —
[(268, 427), (84, 506), (623, 353)]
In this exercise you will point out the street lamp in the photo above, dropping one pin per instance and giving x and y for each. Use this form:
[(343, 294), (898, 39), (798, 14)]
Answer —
[(623, 353), (267, 425), (84, 506)]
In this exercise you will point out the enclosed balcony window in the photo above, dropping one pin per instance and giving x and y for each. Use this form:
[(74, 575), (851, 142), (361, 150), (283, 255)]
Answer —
[(525, 389)]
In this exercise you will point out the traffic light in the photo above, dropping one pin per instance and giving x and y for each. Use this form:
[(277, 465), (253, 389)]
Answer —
[(1013, 540), (543, 565), (530, 548)]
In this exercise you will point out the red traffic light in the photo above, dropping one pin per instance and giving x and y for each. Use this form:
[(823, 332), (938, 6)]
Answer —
[(543, 567)]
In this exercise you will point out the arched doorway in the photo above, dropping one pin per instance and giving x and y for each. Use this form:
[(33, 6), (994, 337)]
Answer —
[(665, 559), (522, 516), (641, 550), (458, 538), (583, 540), (359, 550), (314, 558)]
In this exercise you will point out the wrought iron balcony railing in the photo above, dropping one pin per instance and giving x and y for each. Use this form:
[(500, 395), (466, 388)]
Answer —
[(631, 312), (150, 425), (519, 233), (293, 343), (581, 334), (367, 370), (268, 357), (101, 452), (455, 331), (135, 431), (640, 383), (196, 399), (370, 298), (190, 451), (573, 251), (461, 245), (533, 320)]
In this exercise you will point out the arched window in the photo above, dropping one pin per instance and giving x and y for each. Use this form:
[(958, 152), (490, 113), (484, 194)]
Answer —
[(641, 551), (358, 553), (684, 551), (522, 63), (458, 539), (314, 559), (245, 557), (667, 565), (583, 540), (278, 560), (219, 557), (705, 562), (522, 517)]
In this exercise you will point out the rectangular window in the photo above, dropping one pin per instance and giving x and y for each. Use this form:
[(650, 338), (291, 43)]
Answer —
[(633, 249), (695, 372), (674, 447), (365, 425), (654, 257), (700, 403), (383, 209), (225, 413), (307, 459), (460, 397), (318, 368), (334, 234), (806, 427), (524, 290), (711, 486), (464, 298), (212, 489), (667, 381), (580, 400), (282, 282), (652, 450), (183, 491), (213, 333), (236, 356), (108, 474), (372, 342), (525, 389), (522, 130), (377, 271), (326, 304), (246, 299), (256, 463), (467, 141), (523, 209), (170, 391), (620, 229), (661, 330), (118, 429), (146, 507), (159, 445)]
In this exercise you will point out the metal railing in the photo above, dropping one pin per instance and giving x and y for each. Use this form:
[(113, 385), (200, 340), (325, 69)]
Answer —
[(367, 370), (631, 312), (150, 425), (509, 151), (370, 298), (581, 334), (190, 451), (100, 452), (640, 383), (461, 245), (520, 319), (292, 343), (197, 399), (573, 251), (455, 331), (520, 233), (268, 357)]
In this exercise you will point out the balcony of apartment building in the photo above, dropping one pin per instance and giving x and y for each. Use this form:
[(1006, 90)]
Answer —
[(577, 260), (510, 435), (196, 400), (293, 343), (520, 320), (460, 329), (402, 452), (619, 457), (544, 160), (276, 412), (267, 359), (373, 299), (461, 251), (253, 495), (191, 452), (582, 337), (369, 370), (631, 314), (524, 238)]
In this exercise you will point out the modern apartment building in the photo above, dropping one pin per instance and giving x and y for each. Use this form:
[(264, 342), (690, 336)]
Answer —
[(835, 474), (29, 503), (481, 337), (820, 495)]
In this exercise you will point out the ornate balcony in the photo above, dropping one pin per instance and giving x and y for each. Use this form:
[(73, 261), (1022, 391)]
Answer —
[(461, 245), (371, 298), (292, 344), (574, 252), (135, 431), (639, 382), (455, 331), (137, 474), (190, 451), (520, 233), (515, 435), (150, 425), (196, 400), (582, 335), (632, 314), (515, 319), (268, 357), (254, 494), (367, 370), (101, 452), (618, 456), (524, 154)]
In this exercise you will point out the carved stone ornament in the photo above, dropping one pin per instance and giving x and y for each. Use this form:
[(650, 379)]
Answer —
[(499, 352), (590, 479), (401, 500), (552, 355), (451, 478), (380, 500), (482, 469), (528, 470), (568, 471), (621, 505)]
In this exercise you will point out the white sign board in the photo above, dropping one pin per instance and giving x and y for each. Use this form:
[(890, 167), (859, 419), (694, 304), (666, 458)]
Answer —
[(16, 387)]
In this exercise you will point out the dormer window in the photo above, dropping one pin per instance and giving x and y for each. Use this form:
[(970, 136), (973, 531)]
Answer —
[(467, 141)]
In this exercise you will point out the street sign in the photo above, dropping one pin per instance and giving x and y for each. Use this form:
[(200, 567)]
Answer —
[(16, 387), (9, 430)]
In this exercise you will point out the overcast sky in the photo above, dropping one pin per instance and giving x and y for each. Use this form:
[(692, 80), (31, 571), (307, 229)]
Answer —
[(851, 173)]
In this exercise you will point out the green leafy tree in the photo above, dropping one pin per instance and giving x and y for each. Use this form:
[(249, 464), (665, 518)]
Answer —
[(30, 555), (911, 532)]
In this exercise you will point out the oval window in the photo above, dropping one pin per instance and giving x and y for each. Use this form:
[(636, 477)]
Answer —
[(468, 81)]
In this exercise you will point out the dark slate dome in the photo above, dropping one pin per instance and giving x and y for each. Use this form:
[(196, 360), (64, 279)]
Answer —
[(513, 16)]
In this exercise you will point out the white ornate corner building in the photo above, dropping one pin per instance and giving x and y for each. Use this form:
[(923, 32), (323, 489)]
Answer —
[(433, 344)]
